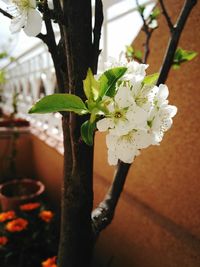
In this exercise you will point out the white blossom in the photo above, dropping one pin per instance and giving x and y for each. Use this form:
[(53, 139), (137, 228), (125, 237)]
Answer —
[(135, 71), (124, 115), (26, 16), (126, 147), (161, 121)]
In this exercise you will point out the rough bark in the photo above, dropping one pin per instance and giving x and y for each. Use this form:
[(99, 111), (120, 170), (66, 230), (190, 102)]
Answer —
[(76, 238)]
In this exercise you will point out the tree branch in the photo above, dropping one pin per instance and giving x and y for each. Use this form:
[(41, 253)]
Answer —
[(53, 49), (103, 214), (6, 13), (165, 13), (148, 32), (97, 34), (173, 42)]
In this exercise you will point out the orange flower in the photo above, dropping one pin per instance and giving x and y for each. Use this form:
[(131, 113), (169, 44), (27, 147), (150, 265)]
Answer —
[(16, 225), (3, 240), (5, 216), (29, 206), (50, 262), (46, 215)]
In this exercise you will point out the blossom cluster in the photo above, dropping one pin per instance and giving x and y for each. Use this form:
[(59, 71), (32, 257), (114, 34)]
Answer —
[(137, 116)]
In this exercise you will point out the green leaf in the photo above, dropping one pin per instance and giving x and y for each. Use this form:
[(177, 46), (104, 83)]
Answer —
[(3, 55), (109, 79), (2, 77), (59, 102), (138, 54), (176, 66), (155, 13), (182, 55), (151, 79), (129, 51), (87, 132), (91, 86), (141, 9)]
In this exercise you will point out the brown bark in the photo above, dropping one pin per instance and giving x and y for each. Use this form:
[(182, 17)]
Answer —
[(76, 238)]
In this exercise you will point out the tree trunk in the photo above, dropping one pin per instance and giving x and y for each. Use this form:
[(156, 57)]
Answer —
[(76, 239)]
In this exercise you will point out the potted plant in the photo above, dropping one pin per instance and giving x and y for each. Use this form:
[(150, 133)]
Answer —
[(28, 236), (14, 189)]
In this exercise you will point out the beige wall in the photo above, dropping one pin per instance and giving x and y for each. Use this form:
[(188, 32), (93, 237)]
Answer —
[(157, 223)]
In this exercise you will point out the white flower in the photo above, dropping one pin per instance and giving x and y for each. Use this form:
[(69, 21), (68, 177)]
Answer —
[(126, 147), (27, 17), (160, 95), (153, 24), (135, 71), (162, 121), (124, 115)]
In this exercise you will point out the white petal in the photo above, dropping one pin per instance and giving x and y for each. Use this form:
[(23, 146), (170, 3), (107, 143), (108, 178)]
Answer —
[(17, 23), (172, 110), (112, 157), (104, 124), (163, 92), (143, 139), (32, 3), (137, 116), (50, 4), (123, 98), (8, 2), (34, 23), (111, 141), (153, 24)]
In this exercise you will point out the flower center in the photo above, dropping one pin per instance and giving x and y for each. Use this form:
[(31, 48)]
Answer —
[(22, 4), (118, 114)]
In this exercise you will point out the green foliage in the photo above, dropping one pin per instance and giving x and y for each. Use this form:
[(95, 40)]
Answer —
[(87, 132), (3, 55), (12, 59), (155, 13), (91, 86), (182, 56), (109, 79), (141, 9), (2, 77), (151, 79), (59, 102), (131, 53)]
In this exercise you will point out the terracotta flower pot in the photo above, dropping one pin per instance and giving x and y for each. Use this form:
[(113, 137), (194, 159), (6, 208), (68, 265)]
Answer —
[(17, 192), (8, 122)]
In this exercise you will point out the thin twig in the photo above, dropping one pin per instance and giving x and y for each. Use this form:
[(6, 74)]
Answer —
[(173, 42), (53, 49), (166, 15), (97, 33), (148, 32), (6, 13)]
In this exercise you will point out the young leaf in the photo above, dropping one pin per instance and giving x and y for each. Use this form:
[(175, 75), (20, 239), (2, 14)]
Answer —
[(87, 132), (91, 86), (138, 55), (182, 55), (129, 51), (3, 55), (151, 79), (155, 13), (108, 80), (141, 9), (2, 77), (59, 102)]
